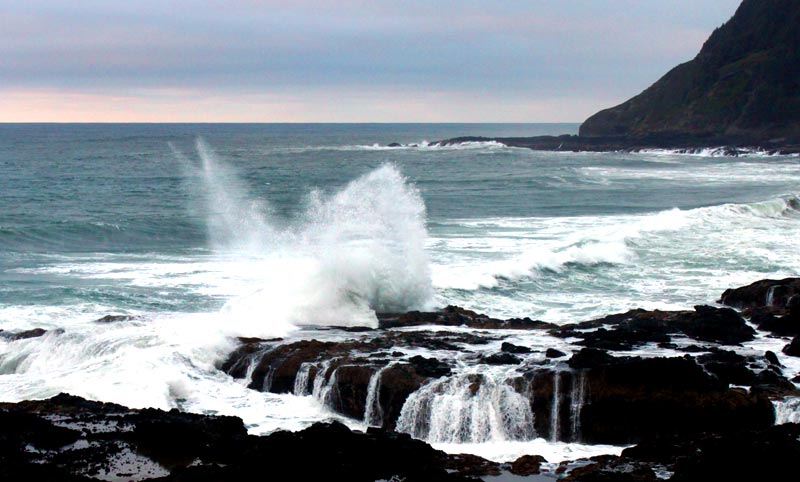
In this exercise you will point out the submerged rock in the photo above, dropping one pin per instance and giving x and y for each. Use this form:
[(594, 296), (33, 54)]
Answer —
[(115, 318), (23, 335)]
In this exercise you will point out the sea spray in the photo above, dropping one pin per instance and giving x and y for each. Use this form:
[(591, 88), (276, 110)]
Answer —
[(234, 218), (351, 253)]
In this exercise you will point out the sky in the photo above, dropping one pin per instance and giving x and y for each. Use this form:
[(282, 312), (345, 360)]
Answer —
[(339, 61)]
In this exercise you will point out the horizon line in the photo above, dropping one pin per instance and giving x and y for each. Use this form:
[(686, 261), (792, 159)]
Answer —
[(275, 122)]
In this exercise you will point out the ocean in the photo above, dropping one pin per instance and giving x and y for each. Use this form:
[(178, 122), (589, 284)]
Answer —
[(201, 233)]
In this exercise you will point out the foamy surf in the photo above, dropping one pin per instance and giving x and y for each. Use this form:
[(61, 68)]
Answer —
[(524, 266)]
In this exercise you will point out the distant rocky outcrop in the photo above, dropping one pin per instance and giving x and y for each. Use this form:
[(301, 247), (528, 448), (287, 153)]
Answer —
[(741, 93), (743, 87)]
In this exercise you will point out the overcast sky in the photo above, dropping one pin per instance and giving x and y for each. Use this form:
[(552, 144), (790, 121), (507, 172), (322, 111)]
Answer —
[(339, 61)]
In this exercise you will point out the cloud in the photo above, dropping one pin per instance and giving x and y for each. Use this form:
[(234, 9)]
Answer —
[(478, 51)]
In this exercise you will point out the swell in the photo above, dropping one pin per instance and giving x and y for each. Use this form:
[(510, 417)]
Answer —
[(78, 236)]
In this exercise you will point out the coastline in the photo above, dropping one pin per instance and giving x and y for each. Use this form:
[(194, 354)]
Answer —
[(677, 413), (679, 143)]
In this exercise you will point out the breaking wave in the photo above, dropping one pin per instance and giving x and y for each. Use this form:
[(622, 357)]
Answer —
[(351, 253)]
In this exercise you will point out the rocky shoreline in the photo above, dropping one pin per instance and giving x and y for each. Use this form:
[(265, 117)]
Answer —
[(728, 146), (683, 386)]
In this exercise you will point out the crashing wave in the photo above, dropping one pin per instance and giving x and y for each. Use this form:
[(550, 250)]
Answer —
[(350, 253)]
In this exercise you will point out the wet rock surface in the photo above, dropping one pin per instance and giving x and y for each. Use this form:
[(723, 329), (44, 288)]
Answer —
[(631, 399), (68, 438), (593, 388), (773, 305), (457, 316), (592, 395), (626, 331), (767, 454), (793, 348)]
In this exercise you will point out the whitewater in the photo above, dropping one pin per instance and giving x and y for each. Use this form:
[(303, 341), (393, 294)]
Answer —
[(199, 234)]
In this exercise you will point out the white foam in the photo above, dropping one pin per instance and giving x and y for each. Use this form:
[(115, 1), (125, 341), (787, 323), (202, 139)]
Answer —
[(421, 145), (508, 451), (712, 152), (352, 252), (701, 171)]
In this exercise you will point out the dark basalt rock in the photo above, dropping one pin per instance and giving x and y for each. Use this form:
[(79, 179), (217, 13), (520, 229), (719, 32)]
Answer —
[(429, 367), (527, 465), (773, 305), (472, 466), (540, 389), (175, 446), (721, 325), (553, 353), (347, 367), (115, 318), (634, 328), (763, 293), (457, 316), (591, 358), (507, 347), (793, 348), (772, 358), (23, 335), (728, 366), (767, 320), (401, 380), (613, 469), (630, 399), (277, 369), (766, 454), (501, 359)]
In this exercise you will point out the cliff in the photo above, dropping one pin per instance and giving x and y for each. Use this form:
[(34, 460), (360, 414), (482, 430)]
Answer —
[(743, 87)]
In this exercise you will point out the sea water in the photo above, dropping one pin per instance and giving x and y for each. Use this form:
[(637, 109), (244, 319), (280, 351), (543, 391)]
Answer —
[(201, 233)]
